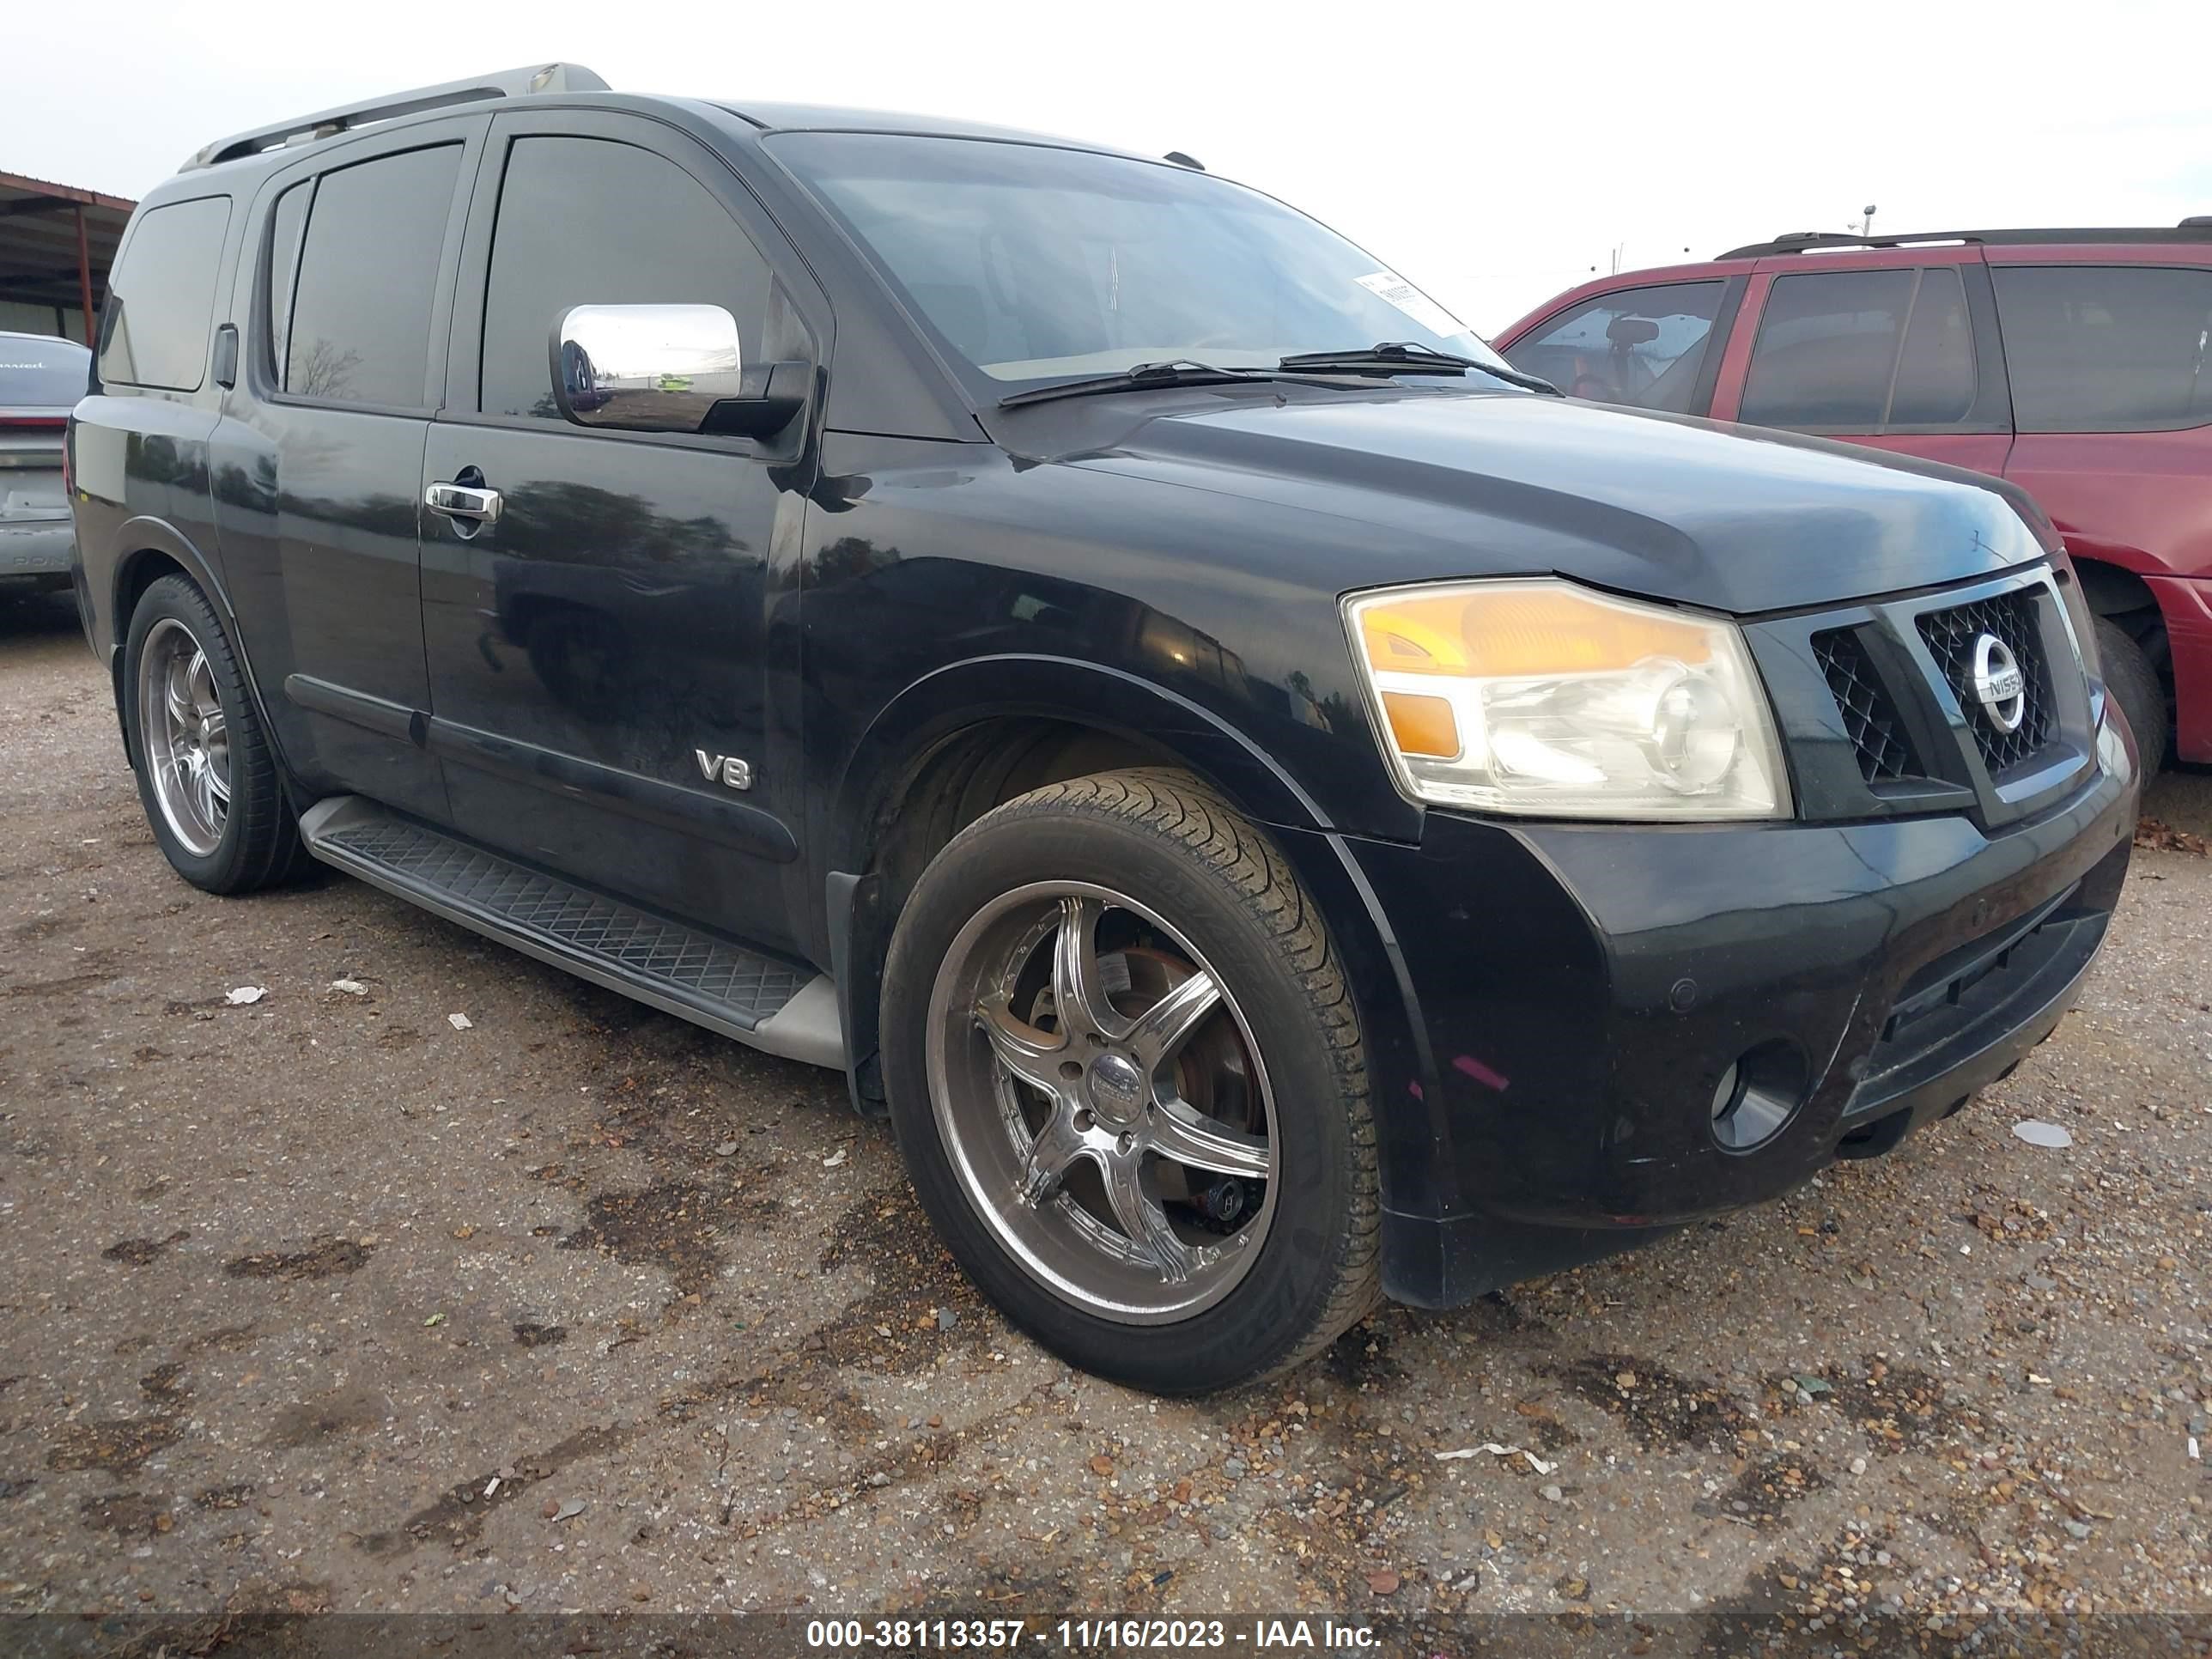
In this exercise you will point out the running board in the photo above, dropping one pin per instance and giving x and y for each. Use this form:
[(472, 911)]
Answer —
[(772, 1005)]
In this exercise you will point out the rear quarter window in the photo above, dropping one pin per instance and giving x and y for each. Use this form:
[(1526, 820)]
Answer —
[(2107, 347), (162, 296)]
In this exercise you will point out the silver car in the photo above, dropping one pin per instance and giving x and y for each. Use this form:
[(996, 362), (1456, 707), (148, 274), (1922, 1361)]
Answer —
[(41, 378)]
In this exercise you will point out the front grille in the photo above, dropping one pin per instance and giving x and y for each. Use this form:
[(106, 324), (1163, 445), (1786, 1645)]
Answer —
[(2012, 618), (1870, 716)]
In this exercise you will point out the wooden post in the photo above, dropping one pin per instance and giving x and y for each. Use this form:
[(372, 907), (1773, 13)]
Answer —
[(84, 280)]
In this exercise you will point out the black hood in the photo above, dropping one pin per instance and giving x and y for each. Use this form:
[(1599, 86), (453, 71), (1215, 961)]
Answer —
[(1452, 484)]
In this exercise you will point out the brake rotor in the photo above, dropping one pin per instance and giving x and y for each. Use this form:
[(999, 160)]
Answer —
[(1213, 1071), (1214, 1077)]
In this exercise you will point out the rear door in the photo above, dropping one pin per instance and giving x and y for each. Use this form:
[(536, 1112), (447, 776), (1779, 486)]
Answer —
[(2112, 381), (1897, 350), (2111, 354), (318, 468)]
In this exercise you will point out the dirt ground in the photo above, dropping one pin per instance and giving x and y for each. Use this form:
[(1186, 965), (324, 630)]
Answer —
[(322, 1303)]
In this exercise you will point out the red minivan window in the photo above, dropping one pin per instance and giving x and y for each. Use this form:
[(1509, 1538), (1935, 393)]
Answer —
[(2107, 347), (1862, 351), (1642, 346)]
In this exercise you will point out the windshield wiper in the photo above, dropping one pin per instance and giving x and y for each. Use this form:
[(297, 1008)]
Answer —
[(1182, 370), (1411, 357)]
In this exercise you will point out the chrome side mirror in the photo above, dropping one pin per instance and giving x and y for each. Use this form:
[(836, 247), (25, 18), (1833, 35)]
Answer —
[(646, 368)]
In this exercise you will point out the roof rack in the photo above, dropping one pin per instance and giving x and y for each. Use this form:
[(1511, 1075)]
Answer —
[(2197, 230), (324, 123)]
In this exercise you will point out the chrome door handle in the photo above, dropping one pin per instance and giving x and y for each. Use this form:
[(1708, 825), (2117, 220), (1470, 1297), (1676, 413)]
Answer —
[(455, 501)]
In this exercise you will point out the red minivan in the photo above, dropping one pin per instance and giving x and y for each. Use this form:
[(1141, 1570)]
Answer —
[(2077, 363)]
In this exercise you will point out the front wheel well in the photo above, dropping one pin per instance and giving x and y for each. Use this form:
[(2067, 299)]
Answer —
[(2122, 598), (977, 769), (2112, 590), (920, 808)]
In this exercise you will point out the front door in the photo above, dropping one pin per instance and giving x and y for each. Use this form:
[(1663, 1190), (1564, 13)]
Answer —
[(599, 653), (317, 477)]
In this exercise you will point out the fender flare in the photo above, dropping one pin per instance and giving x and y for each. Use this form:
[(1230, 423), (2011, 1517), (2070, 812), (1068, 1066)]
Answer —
[(134, 539), (940, 704), (1019, 685), (935, 708), (144, 537)]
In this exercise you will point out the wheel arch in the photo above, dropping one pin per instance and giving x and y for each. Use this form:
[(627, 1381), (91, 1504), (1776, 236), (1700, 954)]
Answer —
[(156, 548), (966, 738), (969, 736), (1065, 690), (2112, 590)]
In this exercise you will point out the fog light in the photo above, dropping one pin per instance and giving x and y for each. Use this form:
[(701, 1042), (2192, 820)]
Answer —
[(1758, 1095)]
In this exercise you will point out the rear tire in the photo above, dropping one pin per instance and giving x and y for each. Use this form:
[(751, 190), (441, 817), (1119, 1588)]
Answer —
[(2133, 684), (1176, 1275), (207, 772)]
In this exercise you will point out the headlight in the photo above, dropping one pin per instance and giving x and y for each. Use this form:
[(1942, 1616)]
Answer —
[(1542, 697)]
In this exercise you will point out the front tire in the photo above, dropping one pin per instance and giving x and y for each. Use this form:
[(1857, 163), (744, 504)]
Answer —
[(207, 773), (2134, 685), (1126, 1076)]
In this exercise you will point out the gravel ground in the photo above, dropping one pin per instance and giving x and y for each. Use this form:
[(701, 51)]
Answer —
[(322, 1303)]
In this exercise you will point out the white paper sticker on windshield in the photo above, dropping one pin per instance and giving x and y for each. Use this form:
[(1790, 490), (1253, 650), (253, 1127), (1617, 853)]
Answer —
[(1390, 286)]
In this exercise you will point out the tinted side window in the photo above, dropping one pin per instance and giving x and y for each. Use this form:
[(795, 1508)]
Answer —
[(1827, 343), (1642, 346), (285, 225), (162, 296), (1860, 351), (590, 222), (2106, 348), (361, 307), (1934, 383)]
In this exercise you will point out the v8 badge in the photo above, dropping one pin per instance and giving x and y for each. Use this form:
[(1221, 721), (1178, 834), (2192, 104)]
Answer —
[(726, 769)]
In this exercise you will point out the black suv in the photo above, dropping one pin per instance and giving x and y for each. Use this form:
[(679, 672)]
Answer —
[(1278, 806)]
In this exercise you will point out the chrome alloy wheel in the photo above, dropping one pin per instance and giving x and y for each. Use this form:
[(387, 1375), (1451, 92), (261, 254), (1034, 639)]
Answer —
[(1102, 1102), (187, 743)]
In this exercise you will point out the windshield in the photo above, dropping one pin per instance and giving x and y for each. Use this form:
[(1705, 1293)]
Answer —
[(1034, 264), (40, 372)]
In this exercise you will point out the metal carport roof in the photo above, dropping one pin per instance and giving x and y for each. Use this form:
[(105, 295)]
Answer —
[(57, 243)]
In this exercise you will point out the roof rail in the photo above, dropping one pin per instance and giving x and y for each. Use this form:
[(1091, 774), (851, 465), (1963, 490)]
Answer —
[(2198, 230), (507, 83)]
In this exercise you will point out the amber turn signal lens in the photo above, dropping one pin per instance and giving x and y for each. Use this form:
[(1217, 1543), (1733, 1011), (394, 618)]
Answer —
[(1530, 631), (1422, 725)]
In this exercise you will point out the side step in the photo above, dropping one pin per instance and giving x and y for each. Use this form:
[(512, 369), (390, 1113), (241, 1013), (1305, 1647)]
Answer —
[(780, 1006)]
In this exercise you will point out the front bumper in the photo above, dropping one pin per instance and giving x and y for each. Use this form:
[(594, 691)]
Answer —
[(1578, 992), (37, 548)]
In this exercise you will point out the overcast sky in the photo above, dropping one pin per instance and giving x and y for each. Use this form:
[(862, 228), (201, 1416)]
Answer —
[(1493, 154)]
